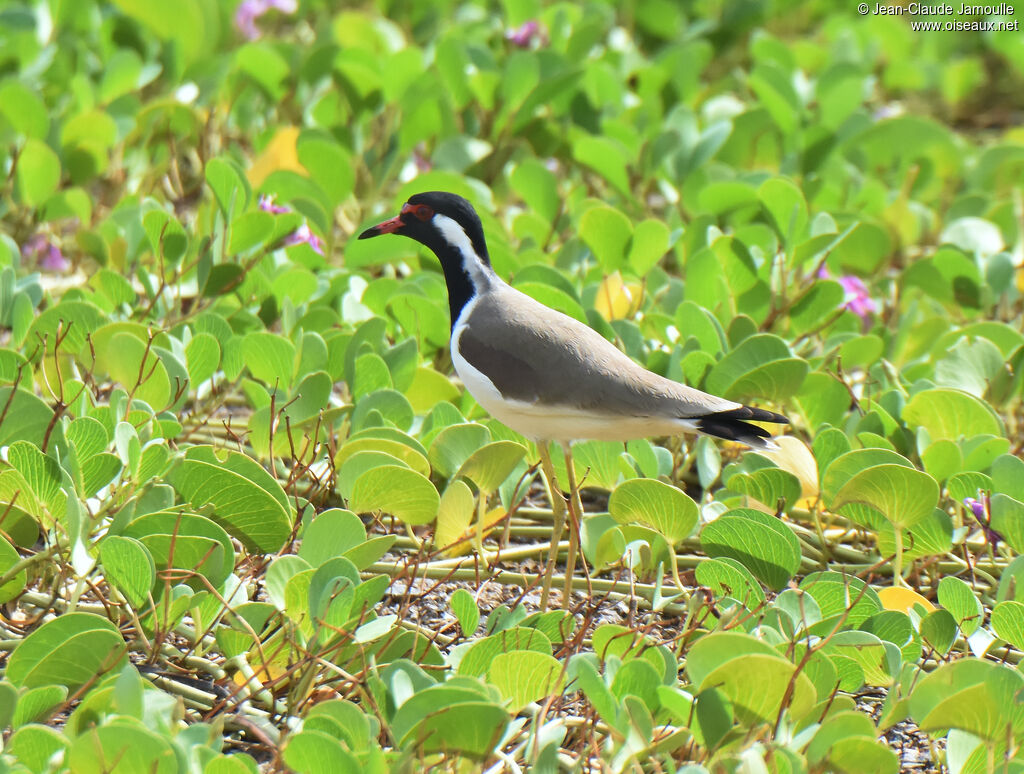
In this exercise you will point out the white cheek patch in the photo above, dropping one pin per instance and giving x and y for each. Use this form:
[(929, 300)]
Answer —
[(455, 235)]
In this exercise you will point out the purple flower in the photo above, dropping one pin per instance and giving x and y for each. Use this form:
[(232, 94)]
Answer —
[(303, 235), (980, 513), (46, 254), (249, 11), (266, 203), (524, 35)]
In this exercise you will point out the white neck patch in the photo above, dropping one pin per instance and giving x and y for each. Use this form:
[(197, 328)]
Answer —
[(454, 234)]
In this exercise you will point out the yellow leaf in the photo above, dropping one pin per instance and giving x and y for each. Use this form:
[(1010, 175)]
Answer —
[(614, 299), (280, 153), (454, 515), (266, 674), (793, 455), (902, 599)]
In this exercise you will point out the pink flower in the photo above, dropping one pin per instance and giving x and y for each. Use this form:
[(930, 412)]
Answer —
[(857, 299), (249, 11), (525, 34), (303, 235), (47, 255), (266, 203)]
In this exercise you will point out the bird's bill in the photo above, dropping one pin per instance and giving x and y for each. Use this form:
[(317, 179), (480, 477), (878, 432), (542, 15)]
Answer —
[(387, 227), (392, 226)]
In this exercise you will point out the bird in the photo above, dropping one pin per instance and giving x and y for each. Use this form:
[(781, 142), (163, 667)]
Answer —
[(540, 372), (548, 376)]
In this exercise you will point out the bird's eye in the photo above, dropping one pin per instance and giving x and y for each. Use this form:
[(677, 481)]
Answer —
[(423, 212)]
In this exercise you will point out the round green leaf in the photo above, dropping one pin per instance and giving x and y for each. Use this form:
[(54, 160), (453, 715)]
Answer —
[(761, 543), (315, 752), (1008, 622), (70, 650), (490, 465), (479, 656), (402, 492), (903, 495), (8, 558), (38, 172), (751, 673), (606, 232), (960, 600), (122, 746), (664, 508), (128, 565), (951, 414), (524, 676)]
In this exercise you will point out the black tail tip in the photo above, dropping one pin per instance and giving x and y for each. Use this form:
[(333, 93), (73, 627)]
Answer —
[(734, 425)]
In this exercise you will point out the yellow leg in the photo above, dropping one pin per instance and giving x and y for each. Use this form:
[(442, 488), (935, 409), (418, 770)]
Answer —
[(575, 525), (558, 511)]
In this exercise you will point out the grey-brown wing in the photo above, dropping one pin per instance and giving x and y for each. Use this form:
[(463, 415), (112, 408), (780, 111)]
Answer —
[(533, 353)]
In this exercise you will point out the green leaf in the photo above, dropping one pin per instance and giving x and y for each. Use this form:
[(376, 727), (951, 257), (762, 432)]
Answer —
[(70, 650), (650, 243), (229, 186), (768, 486), (761, 367), (166, 235), (331, 533), (125, 740), (761, 543), (455, 444), (664, 508), (471, 727), (129, 566), (249, 230), (35, 745), (525, 676), (1008, 622), (23, 109), (38, 172), (490, 465), (1008, 519), (751, 674), (248, 505), (329, 164), (138, 368), (8, 558), (315, 752), (403, 493), (903, 495), (454, 514), (606, 158), (970, 694), (538, 188), (270, 358), (183, 541), (726, 577), (938, 629), (464, 607), (202, 354), (962, 603), (479, 656), (786, 205), (26, 418), (951, 414)]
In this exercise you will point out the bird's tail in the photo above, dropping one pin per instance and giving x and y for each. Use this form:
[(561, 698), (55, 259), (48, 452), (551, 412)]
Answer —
[(734, 425)]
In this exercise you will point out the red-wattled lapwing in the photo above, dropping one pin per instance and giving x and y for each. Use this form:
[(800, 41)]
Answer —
[(544, 374)]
